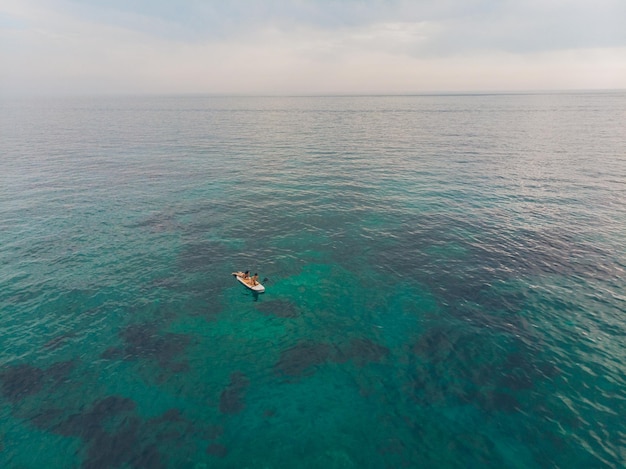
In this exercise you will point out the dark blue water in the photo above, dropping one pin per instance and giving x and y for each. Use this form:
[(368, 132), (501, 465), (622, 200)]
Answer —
[(445, 282)]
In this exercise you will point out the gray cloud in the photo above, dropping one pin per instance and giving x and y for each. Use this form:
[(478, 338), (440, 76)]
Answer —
[(466, 24), (310, 46)]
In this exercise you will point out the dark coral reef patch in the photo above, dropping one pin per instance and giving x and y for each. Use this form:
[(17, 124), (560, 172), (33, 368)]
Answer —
[(23, 380), (361, 351), (20, 381), (231, 399), (463, 366), (85, 424), (302, 358), (143, 341), (110, 429), (278, 308), (216, 449), (115, 436)]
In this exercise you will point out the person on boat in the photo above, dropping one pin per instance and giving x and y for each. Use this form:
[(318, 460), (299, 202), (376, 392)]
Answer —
[(254, 280), (245, 275)]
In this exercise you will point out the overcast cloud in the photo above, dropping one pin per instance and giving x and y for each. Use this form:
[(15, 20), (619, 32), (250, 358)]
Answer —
[(310, 47)]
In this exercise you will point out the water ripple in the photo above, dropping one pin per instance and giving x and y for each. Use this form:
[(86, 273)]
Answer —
[(444, 281)]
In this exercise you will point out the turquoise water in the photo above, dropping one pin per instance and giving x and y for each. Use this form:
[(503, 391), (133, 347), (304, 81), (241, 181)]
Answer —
[(445, 281)]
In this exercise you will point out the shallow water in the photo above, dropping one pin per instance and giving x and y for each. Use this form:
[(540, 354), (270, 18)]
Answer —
[(445, 281)]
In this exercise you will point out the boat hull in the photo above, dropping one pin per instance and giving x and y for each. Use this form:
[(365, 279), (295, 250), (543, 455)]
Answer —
[(256, 288)]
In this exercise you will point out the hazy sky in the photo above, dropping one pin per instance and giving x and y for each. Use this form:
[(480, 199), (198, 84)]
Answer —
[(310, 47)]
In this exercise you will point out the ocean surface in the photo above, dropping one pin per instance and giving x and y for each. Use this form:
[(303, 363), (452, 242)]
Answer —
[(445, 282)]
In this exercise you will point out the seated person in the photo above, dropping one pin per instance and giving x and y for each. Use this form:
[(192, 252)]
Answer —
[(254, 280)]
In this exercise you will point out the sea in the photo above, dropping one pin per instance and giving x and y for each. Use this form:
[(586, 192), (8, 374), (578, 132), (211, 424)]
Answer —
[(445, 281)]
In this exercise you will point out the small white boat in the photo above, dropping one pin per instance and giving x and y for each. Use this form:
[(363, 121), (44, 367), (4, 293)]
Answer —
[(257, 288)]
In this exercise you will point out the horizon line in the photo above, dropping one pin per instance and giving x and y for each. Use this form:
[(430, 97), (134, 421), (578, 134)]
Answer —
[(307, 95)]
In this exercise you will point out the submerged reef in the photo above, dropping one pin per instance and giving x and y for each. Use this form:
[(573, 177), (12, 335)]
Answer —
[(20, 381), (450, 363), (278, 308), (231, 399), (114, 435), (23, 380), (302, 358), (142, 341)]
